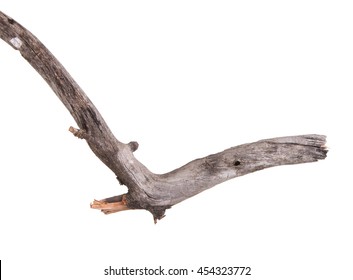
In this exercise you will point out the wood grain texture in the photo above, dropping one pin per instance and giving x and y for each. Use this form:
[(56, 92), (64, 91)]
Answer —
[(146, 190)]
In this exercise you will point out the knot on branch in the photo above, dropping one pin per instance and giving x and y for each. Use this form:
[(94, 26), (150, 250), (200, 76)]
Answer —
[(133, 145), (236, 163)]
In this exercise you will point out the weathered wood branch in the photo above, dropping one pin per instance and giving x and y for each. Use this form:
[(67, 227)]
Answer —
[(146, 190)]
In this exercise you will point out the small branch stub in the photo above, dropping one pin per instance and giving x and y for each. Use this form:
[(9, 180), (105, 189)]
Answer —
[(133, 146), (79, 133)]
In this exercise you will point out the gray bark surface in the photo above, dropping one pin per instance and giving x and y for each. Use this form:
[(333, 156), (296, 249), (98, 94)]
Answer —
[(146, 190)]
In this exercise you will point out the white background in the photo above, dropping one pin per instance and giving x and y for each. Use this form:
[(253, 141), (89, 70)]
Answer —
[(184, 79)]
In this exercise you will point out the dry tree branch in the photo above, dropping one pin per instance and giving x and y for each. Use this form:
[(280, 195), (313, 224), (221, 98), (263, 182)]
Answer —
[(146, 190)]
